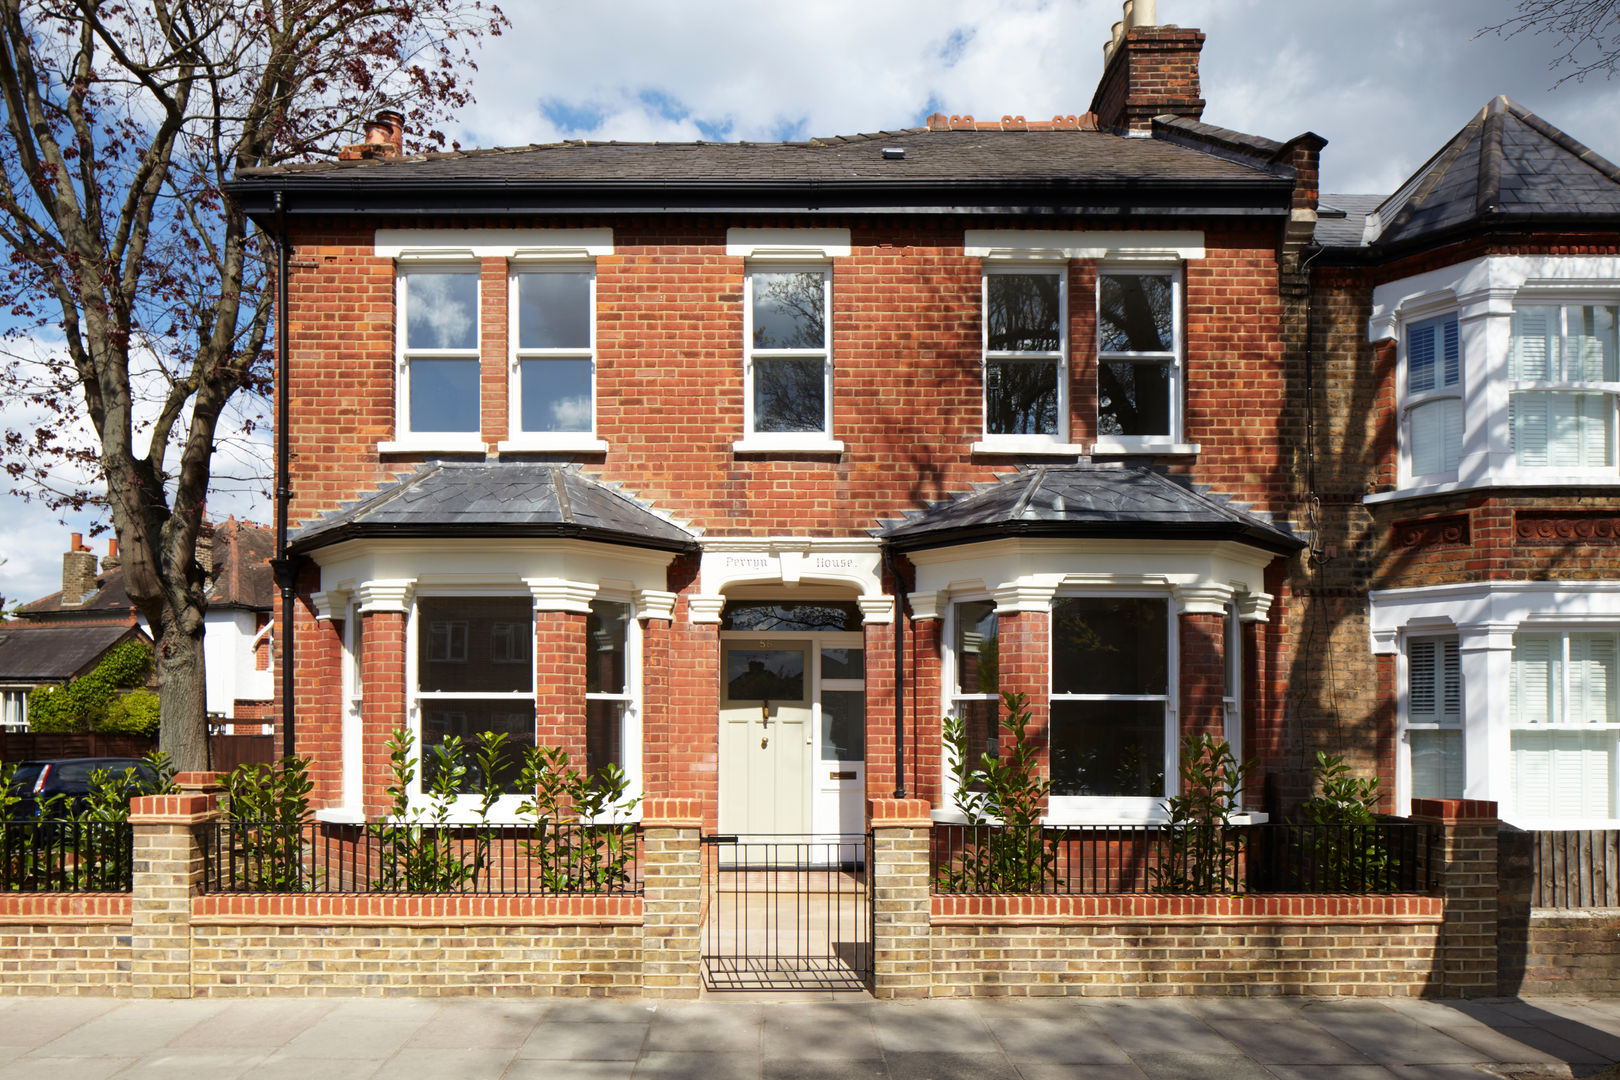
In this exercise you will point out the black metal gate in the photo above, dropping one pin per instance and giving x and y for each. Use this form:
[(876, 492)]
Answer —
[(788, 912)]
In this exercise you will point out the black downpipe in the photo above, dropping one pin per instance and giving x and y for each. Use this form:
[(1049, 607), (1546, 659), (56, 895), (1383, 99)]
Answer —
[(899, 674), (283, 566)]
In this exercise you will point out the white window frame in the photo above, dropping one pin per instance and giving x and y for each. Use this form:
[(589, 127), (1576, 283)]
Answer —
[(352, 728), (1232, 688), (1413, 400), (462, 808), (992, 442), (1603, 390), (630, 730), (518, 439), (788, 441), (406, 440), (14, 708), (1608, 730), (949, 669), (1123, 808), (1406, 724), (1175, 360)]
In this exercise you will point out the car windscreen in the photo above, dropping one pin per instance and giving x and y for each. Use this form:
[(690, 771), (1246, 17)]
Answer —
[(27, 774)]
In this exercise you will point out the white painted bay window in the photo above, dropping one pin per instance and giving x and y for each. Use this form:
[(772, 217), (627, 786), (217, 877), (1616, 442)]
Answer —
[(1562, 402), (608, 698), (1434, 407), (1434, 717), (975, 677)]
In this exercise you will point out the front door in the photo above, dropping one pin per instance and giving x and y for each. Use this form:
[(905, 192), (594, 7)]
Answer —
[(765, 734)]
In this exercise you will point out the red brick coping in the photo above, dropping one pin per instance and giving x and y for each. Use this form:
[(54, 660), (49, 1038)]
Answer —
[(370, 909), (1171, 910), (56, 908)]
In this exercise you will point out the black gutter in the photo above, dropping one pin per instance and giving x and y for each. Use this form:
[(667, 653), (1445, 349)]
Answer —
[(899, 673), (1498, 223), (1275, 541), (440, 531), (282, 565)]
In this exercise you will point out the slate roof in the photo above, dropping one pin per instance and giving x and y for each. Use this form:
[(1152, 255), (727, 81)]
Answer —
[(54, 653), (241, 572), (451, 499), (1088, 500), (1341, 220), (110, 601), (929, 155), (1506, 166)]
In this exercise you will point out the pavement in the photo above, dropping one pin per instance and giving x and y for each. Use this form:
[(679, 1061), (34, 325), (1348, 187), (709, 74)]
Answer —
[(807, 1037)]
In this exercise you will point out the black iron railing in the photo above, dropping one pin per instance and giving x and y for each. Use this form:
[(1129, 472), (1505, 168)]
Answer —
[(505, 860), (66, 856), (1383, 857)]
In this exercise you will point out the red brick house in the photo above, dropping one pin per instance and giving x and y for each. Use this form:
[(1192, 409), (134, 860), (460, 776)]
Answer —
[(741, 464)]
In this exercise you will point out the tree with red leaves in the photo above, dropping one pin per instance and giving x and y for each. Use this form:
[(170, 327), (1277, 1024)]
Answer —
[(140, 297)]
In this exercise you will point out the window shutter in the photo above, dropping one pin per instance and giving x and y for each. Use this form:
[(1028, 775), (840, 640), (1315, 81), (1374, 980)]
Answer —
[(1591, 678), (1420, 358), (1533, 680), (1451, 682), (1595, 450), (1421, 682), (1437, 764), (1532, 773), (1530, 423), (1453, 352), (1535, 344), (1591, 343), (1436, 434)]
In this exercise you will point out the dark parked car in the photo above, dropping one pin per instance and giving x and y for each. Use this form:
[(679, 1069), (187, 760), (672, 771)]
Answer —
[(64, 784)]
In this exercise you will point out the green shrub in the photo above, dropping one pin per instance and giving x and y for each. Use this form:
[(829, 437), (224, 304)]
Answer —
[(1199, 851), (268, 806), (134, 713), (83, 703)]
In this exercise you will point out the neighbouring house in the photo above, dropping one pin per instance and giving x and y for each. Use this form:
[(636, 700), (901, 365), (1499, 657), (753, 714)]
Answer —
[(1465, 611), (62, 635), (739, 465)]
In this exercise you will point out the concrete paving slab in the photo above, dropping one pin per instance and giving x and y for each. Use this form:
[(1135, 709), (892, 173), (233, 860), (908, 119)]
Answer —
[(933, 1066), (46, 1068), (36, 1021), (1194, 1066), (1249, 1009), (1157, 1025), (819, 1033), (601, 1012), (1523, 1045), (266, 1024), (948, 1027), (585, 1042), (1331, 1072), (1290, 1040), (113, 1036), (336, 1037), (1438, 1072), (706, 1029), (1048, 1071), (538, 1069), (477, 1025), (462, 1064), (280, 1066), (1070, 1040), (787, 1067), (1606, 1044), (1389, 1038), (672, 1065), (179, 1064)]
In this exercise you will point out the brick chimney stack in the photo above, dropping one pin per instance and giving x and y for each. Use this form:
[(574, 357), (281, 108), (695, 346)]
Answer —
[(110, 560), (385, 138), (78, 572), (1148, 70)]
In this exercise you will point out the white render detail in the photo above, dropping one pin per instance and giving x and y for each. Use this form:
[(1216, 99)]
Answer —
[(1483, 294), (787, 243), (557, 594), (441, 244), (1052, 244), (730, 562)]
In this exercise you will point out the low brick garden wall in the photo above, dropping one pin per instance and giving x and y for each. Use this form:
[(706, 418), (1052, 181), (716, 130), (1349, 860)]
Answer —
[(64, 944), (1141, 946)]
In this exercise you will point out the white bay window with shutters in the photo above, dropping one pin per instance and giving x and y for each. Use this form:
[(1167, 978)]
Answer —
[(1508, 693), (1508, 373)]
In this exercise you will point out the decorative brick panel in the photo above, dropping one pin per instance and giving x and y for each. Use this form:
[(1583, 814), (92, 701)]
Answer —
[(1566, 526), (1450, 530)]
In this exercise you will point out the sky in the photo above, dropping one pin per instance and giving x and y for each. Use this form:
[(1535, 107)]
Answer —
[(1386, 82)]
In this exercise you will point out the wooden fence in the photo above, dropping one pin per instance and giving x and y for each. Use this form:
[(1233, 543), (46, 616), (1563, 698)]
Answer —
[(226, 751), (1579, 868)]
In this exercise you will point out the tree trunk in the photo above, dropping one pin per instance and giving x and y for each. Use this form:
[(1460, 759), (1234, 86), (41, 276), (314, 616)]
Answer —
[(183, 734)]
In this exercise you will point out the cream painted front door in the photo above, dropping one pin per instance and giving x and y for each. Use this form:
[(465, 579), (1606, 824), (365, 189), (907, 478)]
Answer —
[(765, 733)]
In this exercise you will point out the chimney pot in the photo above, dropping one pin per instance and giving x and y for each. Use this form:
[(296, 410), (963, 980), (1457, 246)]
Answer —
[(77, 543), (396, 128)]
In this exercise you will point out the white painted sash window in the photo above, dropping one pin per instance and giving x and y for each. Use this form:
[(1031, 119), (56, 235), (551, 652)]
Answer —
[(608, 698), (1562, 700), (1139, 346), (1561, 409), (1434, 728), (1026, 384), (788, 361), (554, 356), (1434, 410), (975, 677), (438, 357)]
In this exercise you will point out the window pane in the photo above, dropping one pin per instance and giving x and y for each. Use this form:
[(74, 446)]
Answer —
[(606, 631), (1108, 748), (843, 725), (604, 734), (554, 311), (465, 720), (441, 311), (1563, 774), (1591, 679), (1535, 344), (1535, 678), (556, 395), (807, 616), (475, 644), (1437, 764), (765, 675), (1021, 397), (1025, 312), (789, 310), (843, 663), (1133, 399), (444, 395), (789, 395), (1420, 357), (1135, 313), (1561, 430), (1436, 428), (980, 724), (977, 662), (1591, 343), (1109, 645)]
